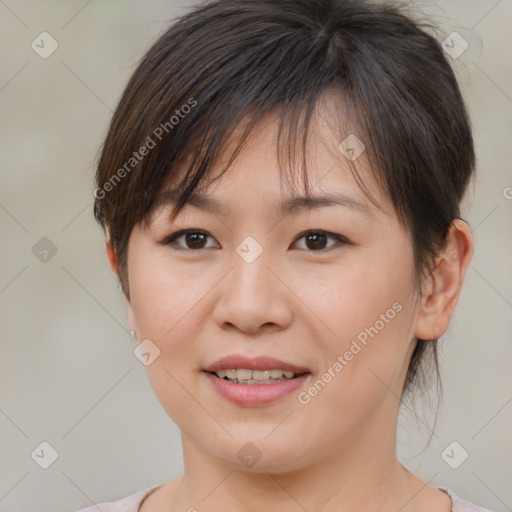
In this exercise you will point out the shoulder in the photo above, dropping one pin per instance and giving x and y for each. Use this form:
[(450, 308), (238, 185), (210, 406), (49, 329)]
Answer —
[(462, 505), (129, 503)]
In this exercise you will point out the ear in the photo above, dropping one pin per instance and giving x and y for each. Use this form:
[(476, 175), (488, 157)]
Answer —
[(111, 255), (439, 301), (112, 260)]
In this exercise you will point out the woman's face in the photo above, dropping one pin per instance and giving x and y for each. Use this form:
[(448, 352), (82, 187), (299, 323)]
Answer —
[(339, 304)]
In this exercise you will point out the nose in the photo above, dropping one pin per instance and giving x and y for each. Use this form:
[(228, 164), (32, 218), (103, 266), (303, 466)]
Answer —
[(254, 297)]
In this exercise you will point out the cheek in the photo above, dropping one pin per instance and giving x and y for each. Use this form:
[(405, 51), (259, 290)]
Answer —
[(363, 365), (360, 297), (163, 304), (163, 307), (369, 312), (163, 297)]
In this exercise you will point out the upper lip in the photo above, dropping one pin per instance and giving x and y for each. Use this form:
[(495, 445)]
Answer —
[(235, 361)]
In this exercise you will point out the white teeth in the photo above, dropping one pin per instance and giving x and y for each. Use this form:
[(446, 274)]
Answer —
[(244, 374), (260, 375)]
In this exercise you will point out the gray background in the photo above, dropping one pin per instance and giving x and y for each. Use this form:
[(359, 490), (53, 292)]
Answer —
[(67, 372)]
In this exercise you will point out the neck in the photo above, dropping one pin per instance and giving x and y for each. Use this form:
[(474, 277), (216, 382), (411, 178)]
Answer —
[(357, 476)]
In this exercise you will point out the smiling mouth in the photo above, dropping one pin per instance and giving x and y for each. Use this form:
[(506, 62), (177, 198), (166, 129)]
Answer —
[(255, 377)]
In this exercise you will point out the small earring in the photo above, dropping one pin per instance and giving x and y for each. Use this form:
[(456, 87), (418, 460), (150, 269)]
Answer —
[(133, 335)]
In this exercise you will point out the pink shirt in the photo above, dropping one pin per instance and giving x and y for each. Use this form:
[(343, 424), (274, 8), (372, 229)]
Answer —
[(132, 503)]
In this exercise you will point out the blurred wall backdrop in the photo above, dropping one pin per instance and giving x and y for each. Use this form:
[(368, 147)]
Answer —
[(68, 374)]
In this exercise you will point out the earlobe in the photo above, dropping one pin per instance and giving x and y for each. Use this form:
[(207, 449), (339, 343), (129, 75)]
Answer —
[(131, 319), (438, 304)]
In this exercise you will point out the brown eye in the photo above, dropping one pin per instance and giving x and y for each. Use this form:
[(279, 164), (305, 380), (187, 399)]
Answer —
[(317, 240), (193, 239)]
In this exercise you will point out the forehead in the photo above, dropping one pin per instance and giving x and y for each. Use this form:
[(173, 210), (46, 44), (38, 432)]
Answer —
[(338, 171)]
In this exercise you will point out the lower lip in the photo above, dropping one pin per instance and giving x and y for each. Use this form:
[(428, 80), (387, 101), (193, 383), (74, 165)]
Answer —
[(255, 394)]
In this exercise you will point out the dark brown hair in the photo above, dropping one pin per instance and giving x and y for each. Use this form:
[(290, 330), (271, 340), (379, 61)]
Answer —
[(230, 59)]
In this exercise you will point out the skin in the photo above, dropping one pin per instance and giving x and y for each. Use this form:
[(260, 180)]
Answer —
[(300, 304)]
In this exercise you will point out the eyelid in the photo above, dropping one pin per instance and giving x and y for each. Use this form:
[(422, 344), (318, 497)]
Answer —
[(341, 240), (177, 234), (168, 240)]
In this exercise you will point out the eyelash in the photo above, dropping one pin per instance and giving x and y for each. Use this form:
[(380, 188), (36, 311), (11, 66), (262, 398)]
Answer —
[(169, 240)]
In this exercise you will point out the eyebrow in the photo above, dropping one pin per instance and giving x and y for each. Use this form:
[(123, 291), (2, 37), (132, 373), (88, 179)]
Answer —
[(293, 205)]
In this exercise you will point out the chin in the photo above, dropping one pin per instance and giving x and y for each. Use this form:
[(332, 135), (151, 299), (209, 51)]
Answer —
[(258, 454)]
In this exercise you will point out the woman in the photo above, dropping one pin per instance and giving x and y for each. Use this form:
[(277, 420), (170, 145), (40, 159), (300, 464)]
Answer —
[(281, 325)]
